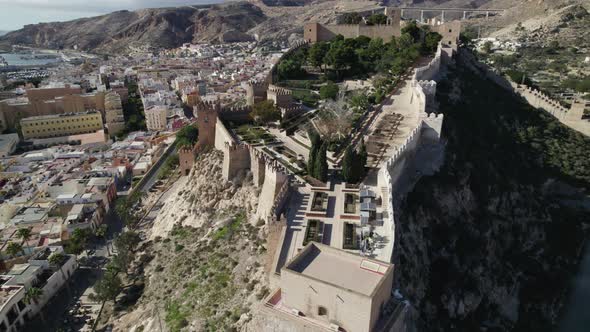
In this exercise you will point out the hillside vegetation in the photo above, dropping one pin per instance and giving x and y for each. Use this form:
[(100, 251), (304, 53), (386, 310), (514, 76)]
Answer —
[(494, 239)]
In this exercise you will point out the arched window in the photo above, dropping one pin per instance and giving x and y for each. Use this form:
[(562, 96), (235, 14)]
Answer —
[(322, 311)]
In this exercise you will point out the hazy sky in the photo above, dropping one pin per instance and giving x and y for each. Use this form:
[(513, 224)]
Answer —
[(16, 13)]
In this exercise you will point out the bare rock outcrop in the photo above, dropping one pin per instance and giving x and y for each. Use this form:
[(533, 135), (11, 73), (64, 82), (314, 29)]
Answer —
[(204, 196)]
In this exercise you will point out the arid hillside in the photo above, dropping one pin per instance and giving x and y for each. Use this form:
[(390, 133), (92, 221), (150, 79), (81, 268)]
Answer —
[(162, 27), (238, 21)]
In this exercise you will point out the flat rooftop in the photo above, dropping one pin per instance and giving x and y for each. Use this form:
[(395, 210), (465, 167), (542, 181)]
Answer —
[(339, 268), (22, 273)]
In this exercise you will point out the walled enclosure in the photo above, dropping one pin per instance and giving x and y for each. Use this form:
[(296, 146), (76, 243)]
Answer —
[(314, 32), (239, 157), (427, 133)]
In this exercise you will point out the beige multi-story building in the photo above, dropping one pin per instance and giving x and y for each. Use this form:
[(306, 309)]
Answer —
[(336, 288), (114, 120), (155, 117), (61, 125), (13, 110), (57, 100)]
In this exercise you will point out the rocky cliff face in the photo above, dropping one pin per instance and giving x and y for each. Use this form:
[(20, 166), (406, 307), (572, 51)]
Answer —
[(493, 240), (161, 27)]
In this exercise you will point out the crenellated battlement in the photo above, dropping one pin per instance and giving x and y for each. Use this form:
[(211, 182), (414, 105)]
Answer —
[(290, 111), (255, 91), (230, 146), (257, 84), (540, 100), (277, 90), (426, 133), (208, 106)]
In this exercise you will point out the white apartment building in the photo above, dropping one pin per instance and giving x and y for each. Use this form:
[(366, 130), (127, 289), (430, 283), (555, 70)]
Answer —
[(14, 311), (156, 118)]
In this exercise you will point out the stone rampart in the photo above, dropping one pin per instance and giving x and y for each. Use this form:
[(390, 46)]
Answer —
[(538, 99), (267, 172), (280, 200), (223, 136), (427, 132), (429, 72), (235, 114), (236, 158), (314, 32), (281, 97), (533, 97), (291, 111), (270, 202), (256, 92), (186, 159)]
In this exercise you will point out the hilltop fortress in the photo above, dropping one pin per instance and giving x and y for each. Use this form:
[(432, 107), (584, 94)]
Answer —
[(311, 288), (320, 241), (316, 32)]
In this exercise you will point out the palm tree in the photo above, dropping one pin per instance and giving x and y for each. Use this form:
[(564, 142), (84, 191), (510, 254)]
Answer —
[(33, 295), (14, 248), (24, 233), (57, 260), (101, 231)]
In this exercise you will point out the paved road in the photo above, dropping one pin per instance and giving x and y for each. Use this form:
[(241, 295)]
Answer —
[(56, 312), (153, 173)]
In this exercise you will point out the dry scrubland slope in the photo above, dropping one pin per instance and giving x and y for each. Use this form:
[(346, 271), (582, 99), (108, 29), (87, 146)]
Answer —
[(204, 265)]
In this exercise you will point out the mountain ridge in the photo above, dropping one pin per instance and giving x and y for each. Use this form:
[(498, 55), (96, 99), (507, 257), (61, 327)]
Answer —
[(155, 27)]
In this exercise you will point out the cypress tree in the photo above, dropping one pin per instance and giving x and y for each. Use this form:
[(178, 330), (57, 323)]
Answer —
[(321, 164), (316, 141), (347, 164), (311, 160), (363, 157)]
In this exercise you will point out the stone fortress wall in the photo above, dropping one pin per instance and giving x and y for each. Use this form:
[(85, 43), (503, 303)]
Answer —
[(572, 117), (540, 100), (239, 157), (281, 97), (426, 134), (314, 32)]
